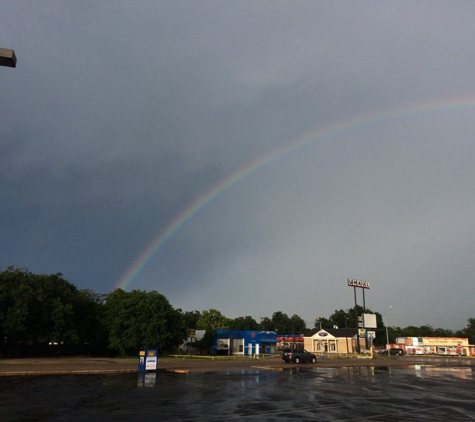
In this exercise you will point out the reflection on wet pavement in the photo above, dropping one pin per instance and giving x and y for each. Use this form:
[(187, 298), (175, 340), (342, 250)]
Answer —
[(415, 392)]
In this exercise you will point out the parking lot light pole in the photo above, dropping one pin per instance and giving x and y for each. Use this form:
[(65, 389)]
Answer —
[(7, 57), (387, 335)]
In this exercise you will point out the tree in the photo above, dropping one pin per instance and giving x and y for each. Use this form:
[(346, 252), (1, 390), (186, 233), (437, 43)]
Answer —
[(205, 344), (442, 332), (297, 324), (14, 309), (54, 310), (266, 324), (351, 321), (469, 330), (142, 319), (243, 323), (90, 314), (190, 319), (340, 319), (322, 323), (212, 320), (281, 322), (347, 319), (38, 309)]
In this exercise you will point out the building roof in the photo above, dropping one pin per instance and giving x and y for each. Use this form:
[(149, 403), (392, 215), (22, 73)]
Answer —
[(335, 332)]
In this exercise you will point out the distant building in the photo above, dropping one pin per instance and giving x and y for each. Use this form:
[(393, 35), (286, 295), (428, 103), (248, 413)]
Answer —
[(293, 341), (333, 341), (244, 342), (449, 346), (187, 346)]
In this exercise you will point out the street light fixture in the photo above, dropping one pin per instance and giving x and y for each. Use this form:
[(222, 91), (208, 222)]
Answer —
[(387, 335), (7, 57)]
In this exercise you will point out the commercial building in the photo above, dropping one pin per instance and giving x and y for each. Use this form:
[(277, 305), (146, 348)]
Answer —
[(447, 346), (333, 341), (244, 342)]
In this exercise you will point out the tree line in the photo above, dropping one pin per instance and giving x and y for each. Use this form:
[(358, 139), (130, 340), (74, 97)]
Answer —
[(46, 311)]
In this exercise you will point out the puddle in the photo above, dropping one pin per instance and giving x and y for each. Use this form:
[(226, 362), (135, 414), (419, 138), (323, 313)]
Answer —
[(415, 392)]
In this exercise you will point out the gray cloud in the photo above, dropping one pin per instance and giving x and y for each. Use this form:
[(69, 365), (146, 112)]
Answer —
[(120, 116)]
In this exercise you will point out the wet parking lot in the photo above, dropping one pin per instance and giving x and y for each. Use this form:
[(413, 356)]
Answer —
[(374, 393)]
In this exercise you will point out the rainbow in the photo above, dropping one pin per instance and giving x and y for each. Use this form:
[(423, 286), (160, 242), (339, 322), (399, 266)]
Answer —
[(345, 125)]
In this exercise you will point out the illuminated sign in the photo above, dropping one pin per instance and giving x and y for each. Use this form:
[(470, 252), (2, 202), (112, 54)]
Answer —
[(151, 363), (369, 321), (446, 341), (358, 283)]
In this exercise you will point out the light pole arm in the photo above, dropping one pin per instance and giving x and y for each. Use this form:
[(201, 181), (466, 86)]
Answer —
[(7, 57)]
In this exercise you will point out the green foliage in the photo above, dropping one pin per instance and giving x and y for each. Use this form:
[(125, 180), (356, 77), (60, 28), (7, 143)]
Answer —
[(142, 319), (266, 324), (469, 330), (323, 323), (212, 320), (38, 309), (243, 323), (341, 319), (190, 318), (422, 331), (90, 314), (205, 344), (297, 325), (281, 323), (345, 319), (442, 332), (14, 310)]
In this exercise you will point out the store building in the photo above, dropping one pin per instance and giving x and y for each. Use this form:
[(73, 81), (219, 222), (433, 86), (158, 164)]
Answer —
[(446, 346), (289, 341), (244, 342), (333, 340)]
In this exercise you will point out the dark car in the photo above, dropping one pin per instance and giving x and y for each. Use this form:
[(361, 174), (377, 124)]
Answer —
[(298, 355), (393, 352)]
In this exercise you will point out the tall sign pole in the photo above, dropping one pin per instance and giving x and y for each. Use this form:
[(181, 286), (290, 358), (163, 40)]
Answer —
[(357, 324), (364, 305), (362, 285)]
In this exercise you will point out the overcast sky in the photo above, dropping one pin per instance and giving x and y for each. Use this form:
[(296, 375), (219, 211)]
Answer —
[(283, 146)]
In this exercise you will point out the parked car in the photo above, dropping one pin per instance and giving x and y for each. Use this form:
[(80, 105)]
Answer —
[(285, 351), (298, 355), (393, 352)]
